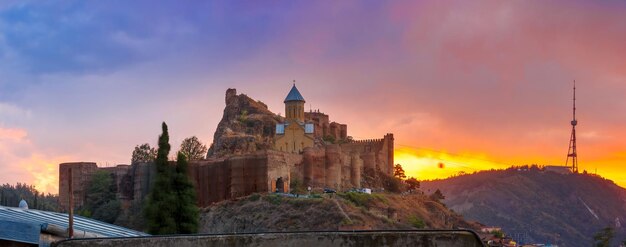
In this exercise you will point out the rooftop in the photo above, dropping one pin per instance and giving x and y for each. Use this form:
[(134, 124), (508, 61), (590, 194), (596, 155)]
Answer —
[(294, 95), (25, 225)]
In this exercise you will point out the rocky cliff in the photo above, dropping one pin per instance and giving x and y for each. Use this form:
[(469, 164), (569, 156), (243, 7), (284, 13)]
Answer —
[(246, 126)]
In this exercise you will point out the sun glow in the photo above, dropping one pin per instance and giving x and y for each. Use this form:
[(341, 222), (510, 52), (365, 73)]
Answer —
[(425, 164)]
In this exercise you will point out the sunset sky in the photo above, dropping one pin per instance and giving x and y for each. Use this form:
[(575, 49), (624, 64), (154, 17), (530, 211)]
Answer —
[(470, 84)]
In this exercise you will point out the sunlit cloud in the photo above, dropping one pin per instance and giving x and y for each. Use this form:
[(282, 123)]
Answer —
[(22, 162)]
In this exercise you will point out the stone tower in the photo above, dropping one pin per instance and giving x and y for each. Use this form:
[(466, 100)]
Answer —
[(294, 105)]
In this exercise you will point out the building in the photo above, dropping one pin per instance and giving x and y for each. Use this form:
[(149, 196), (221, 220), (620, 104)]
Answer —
[(29, 227), (294, 134), (558, 169), (306, 149)]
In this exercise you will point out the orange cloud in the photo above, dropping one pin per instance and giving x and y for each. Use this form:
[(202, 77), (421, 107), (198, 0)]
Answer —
[(23, 162)]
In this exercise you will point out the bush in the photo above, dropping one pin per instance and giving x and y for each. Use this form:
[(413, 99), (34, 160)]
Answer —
[(274, 199), (416, 222), (358, 199), (297, 187), (254, 197)]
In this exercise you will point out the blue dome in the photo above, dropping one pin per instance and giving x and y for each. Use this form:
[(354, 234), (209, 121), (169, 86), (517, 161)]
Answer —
[(23, 204), (294, 95)]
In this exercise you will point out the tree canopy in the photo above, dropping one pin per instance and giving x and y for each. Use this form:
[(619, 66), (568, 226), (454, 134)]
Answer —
[(171, 204), (193, 149), (412, 183), (143, 153), (398, 172), (101, 202)]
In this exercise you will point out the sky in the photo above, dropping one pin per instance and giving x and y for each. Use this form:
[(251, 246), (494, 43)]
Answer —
[(472, 85)]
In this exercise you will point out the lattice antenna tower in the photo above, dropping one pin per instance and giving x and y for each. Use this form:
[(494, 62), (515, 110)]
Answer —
[(571, 153)]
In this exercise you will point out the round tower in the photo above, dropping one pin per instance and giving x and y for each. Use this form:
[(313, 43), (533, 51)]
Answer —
[(294, 105)]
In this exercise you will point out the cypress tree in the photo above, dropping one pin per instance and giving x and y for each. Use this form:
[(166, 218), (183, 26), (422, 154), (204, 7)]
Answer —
[(161, 203), (187, 212)]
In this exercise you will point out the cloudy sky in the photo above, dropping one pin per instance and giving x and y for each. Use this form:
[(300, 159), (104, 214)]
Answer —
[(471, 84)]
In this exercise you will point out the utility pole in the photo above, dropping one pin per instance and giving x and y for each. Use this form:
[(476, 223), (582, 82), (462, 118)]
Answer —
[(70, 228)]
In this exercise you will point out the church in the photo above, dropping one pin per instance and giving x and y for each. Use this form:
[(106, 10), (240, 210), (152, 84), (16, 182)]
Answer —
[(256, 151)]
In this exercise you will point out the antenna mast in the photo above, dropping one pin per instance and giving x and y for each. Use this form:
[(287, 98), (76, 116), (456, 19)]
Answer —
[(572, 142)]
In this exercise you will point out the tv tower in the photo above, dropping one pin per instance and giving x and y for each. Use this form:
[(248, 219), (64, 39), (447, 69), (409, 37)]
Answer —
[(572, 141)]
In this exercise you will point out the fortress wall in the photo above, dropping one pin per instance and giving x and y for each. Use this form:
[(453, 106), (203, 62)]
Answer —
[(333, 167), (213, 183), (314, 160), (281, 165), (118, 171), (346, 171), (375, 153), (81, 176), (356, 168), (237, 176)]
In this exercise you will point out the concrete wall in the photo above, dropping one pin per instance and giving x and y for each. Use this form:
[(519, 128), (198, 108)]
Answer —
[(303, 239)]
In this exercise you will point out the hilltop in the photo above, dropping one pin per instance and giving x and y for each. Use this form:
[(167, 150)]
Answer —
[(342, 211), (533, 205)]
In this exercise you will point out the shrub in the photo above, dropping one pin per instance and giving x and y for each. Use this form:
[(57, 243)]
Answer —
[(254, 197), (358, 199), (274, 199), (416, 222)]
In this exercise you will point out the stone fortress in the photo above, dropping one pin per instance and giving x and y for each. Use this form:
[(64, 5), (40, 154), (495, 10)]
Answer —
[(256, 151)]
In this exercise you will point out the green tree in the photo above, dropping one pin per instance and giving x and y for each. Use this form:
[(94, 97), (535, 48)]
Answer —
[(187, 212), (161, 203), (101, 202), (603, 237), (143, 153), (412, 183), (398, 172), (193, 149)]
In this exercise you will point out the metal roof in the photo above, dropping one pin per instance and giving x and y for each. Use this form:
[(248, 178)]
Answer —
[(44, 218), (294, 95), (19, 232)]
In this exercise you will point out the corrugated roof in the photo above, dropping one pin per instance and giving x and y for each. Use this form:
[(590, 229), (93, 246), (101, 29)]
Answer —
[(41, 218), (19, 232), (294, 95)]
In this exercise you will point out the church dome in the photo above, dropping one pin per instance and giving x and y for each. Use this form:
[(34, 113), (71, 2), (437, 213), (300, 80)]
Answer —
[(23, 204), (294, 95)]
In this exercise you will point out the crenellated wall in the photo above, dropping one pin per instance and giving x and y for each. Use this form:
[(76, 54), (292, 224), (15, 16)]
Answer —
[(336, 166)]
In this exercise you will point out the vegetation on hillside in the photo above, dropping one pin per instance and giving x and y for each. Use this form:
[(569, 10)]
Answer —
[(11, 195), (536, 206), (341, 211)]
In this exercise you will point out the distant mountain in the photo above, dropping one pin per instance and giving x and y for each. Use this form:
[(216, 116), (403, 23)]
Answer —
[(537, 206)]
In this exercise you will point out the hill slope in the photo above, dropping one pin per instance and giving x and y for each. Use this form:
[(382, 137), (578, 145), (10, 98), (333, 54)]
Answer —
[(343, 211), (535, 206)]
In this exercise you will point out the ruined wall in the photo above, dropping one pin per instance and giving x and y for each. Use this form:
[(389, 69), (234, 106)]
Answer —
[(323, 126), (375, 153), (243, 175), (339, 166), (81, 176)]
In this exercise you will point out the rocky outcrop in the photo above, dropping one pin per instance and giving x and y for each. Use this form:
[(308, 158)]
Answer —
[(246, 126)]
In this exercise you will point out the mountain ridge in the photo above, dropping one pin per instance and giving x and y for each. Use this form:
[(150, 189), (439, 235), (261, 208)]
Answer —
[(537, 206)]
